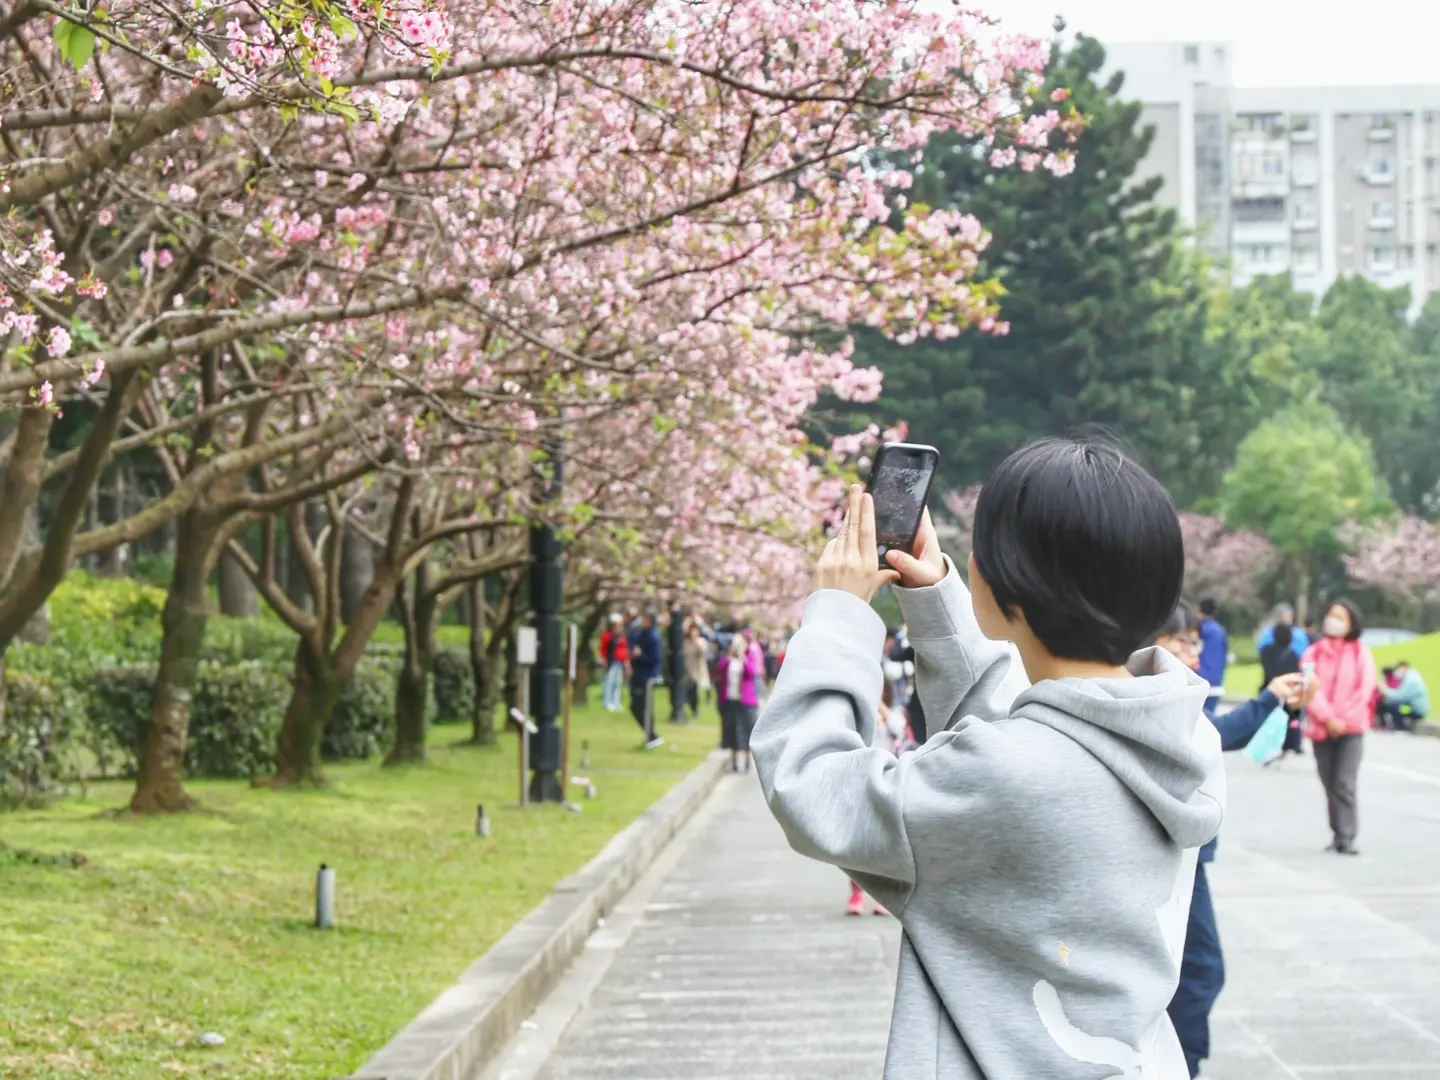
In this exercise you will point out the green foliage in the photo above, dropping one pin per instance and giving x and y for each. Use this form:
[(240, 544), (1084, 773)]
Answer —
[(75, 43), (1299, 477), (1106, 312), (454, 684), (154, 568), (235, 715), (42, 715), (360, 725)]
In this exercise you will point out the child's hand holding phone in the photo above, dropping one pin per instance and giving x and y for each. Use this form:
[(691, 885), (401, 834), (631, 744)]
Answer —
[(925, 565)]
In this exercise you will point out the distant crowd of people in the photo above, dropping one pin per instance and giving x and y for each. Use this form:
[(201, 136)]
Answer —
[(730, 661)]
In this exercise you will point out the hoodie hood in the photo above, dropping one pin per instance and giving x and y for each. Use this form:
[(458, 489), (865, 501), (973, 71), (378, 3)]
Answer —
[(1150, 731)]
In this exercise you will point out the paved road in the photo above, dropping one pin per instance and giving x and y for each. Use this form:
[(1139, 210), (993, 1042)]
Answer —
[(1334, 963), (736, 961)]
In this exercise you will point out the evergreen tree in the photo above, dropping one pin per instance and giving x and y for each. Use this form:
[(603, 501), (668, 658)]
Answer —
[(1107, 313)]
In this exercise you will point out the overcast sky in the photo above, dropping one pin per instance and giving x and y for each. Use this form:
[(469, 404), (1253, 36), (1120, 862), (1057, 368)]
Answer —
[(1277, 42)]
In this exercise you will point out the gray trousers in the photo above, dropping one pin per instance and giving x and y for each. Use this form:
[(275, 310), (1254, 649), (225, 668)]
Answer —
[(1338, 762)]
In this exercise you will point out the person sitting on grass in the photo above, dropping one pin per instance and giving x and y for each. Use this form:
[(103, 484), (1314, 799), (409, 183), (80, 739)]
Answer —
[(1039, 849), (1405, 704)]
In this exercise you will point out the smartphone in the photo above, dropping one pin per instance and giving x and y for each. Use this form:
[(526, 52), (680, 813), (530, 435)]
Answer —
[(900, 483)]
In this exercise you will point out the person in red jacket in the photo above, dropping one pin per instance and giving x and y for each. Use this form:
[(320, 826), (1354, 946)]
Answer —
[(615, 655)]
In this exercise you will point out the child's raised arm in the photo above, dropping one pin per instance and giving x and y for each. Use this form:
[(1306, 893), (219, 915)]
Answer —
[(958, 670)]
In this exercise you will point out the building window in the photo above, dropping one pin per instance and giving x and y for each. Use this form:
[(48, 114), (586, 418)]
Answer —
[(1272, 166), (1307, 260), (1252, 211), (1259, 254), (1192, 54), (1266, 122), (1381, 167), (1382, 258), (1305, 170), (1382, 213), (1306, 213)]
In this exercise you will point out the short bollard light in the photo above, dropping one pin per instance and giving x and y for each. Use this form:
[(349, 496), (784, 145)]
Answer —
[(325, 898), (585, 754), (482, 823)]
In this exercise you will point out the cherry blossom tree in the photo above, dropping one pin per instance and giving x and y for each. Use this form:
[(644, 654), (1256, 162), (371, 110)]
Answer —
[(1230, 565), (1400, 559), (317, 241)]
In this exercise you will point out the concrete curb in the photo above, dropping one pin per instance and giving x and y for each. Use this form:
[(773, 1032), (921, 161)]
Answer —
[(457, 1033), (1428, 727)]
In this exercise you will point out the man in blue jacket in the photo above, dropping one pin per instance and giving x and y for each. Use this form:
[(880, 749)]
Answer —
[(1214, 653), (1202, 965), (1284, 615), (646, 656)]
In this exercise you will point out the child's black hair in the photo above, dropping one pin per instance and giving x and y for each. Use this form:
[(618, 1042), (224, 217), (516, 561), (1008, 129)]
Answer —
[(1082, 541)]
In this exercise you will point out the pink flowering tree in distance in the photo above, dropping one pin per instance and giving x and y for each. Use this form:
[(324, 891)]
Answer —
[(1230, 565), (336, 239), (1400, 559)]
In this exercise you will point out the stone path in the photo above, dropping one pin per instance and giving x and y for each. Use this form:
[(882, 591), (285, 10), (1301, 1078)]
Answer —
[(735, 960)]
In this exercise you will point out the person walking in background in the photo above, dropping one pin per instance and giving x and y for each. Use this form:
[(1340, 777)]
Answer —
[(1202, 963), (645, 666), (1284, 615), (1340, 689), (1406, 703), (738, 688), (1214, 653), (1278, 657), (697, 668), (615, 656)]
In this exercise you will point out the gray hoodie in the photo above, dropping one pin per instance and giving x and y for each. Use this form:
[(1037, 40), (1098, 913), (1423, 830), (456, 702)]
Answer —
[(1039, 851)]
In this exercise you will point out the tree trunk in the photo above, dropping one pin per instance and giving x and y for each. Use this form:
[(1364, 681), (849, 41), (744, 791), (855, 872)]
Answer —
[(412, 688), (357, 567), (482, 671), (159, 786), (237, 592), (317, 689), (116, 561)]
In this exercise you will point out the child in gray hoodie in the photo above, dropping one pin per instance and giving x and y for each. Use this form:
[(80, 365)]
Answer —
[(1039, 848)]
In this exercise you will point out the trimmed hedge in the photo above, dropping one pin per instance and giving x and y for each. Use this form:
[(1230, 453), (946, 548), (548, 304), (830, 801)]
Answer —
[(38, 728), (454, 683), (360, 725)]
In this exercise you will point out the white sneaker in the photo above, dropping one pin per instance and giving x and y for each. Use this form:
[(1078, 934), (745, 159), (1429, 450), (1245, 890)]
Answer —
[(654, 743)]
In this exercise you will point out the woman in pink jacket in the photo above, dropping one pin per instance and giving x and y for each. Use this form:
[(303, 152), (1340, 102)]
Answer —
[(737, 685), (1339, 710)]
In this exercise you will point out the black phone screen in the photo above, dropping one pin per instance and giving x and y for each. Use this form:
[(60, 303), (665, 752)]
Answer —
[(899, 485)]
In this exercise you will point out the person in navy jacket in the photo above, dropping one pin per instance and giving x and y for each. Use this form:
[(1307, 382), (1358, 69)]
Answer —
[(1202, 965)]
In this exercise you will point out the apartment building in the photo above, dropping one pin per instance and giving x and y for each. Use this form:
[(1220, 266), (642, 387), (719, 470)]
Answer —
[(1317, 181)]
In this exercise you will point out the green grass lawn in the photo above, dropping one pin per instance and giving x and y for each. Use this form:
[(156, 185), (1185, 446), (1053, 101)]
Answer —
[(201, 922), (1243, 680)]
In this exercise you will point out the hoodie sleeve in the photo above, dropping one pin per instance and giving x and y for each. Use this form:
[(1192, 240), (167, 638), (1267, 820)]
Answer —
[(959, 671), (838, 799)]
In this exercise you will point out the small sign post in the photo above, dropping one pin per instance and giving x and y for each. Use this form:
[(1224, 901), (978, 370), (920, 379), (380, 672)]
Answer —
[(565, 715), (527, 650)]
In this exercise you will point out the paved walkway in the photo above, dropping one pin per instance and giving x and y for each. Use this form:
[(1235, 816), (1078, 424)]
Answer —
[(734, 960)]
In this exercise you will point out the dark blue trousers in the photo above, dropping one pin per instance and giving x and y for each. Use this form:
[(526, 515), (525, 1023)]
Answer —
[(1202, 976)]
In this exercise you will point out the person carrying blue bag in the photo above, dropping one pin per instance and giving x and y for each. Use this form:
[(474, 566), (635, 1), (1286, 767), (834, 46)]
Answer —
[(1202, 965)]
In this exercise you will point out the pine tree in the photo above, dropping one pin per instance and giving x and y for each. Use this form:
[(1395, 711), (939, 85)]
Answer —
[(1107, 311)]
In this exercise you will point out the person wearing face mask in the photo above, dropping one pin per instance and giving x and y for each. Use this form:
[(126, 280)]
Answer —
[(1339, 701), (1202, 964)]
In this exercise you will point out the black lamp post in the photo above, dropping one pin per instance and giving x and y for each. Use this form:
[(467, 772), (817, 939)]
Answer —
[(547, 587)]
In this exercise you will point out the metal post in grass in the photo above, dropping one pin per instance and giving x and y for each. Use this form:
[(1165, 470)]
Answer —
[(325, 898)]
